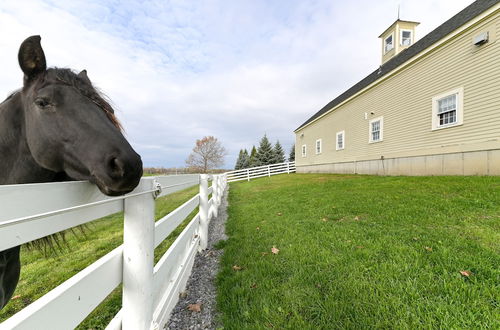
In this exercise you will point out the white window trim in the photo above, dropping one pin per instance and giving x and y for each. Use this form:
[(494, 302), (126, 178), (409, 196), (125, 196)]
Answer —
[(337, 140), (320, 146), (401, 37), (460, 109), (381, 129), (304, 150), (393, 43)]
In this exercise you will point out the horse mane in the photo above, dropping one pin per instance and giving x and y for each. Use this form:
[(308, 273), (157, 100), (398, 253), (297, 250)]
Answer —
[(85, 87)]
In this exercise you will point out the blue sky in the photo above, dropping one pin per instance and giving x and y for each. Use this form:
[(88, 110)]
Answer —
[(179, 70)]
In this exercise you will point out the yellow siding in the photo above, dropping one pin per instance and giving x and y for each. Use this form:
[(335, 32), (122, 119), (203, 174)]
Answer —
[(405, 102)]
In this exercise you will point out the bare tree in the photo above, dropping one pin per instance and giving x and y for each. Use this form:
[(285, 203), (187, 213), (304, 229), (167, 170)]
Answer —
[(208, 153)]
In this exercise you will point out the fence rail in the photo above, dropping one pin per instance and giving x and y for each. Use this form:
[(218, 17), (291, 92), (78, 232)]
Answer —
[(260, 171), (150, 291)]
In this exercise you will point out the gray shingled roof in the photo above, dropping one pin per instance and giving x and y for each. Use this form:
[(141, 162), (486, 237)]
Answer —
[(440, 32)]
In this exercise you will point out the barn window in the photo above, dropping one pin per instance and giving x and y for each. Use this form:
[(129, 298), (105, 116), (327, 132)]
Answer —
[(447, 109), (304, 150), (318, 146), (376, 129), (340, 143)]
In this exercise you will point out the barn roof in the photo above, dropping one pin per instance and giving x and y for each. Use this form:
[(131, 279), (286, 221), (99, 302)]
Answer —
[(473, 10)]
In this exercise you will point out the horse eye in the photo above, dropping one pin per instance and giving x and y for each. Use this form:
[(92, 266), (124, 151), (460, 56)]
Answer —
[(41, 102)]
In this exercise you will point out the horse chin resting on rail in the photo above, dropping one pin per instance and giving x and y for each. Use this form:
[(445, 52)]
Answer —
[(58, 128)]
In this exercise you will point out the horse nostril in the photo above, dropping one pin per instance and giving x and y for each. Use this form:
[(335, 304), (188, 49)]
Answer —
[(115, 166)]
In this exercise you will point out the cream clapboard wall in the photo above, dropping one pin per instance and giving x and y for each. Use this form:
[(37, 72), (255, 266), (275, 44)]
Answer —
[(405, 102)]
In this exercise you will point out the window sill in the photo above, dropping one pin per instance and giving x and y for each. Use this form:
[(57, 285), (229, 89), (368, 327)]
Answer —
[(376, 141), (446, 126)]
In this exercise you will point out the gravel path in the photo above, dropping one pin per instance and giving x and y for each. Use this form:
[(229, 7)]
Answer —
[(200, 288)]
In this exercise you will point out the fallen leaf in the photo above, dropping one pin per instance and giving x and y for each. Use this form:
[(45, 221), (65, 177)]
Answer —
[(253, 286), (194, 307), (183, 294), (428, 248), (264, 253), (280, 214), (275, 250), (415, 238), (466, 273), (318, 285), (16, 297), (236, 268), (324, 219), (258, 228), (356, 218)]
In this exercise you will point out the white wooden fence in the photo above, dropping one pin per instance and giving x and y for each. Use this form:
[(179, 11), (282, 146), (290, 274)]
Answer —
[(260, 171), (150, 292)]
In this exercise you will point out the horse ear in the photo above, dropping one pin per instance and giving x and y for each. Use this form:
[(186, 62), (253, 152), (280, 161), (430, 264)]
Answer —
[(31, 57), (83, 75)]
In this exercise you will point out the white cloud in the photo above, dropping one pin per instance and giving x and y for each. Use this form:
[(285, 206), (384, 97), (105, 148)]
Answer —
[(179, 70)]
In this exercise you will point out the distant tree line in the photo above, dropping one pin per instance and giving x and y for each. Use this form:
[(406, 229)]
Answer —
[(265, 154)]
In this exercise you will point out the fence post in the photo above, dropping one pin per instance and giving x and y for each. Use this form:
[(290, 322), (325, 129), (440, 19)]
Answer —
[(269, 170), (203, 211), (215, 194), (288, 168), (220, 190), (248, 174), (138, 254)]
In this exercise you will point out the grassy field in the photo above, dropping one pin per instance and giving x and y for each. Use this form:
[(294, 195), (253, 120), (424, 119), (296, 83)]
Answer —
[(362, 252), (40, 274)]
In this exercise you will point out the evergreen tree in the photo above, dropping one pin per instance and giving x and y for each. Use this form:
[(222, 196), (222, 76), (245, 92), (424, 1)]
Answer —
[(239, 161), (245, 160), (279, 154), (253, 161), (291, 157), (265, 153)]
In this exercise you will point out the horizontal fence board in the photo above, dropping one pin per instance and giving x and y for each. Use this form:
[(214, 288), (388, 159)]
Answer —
[(24, 200), (168, 223), (68, 304), (174, 183), (17, 233), (116, 322), (166, 268)]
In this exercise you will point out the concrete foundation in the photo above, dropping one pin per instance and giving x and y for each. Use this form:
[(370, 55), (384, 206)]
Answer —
[(463, 163)]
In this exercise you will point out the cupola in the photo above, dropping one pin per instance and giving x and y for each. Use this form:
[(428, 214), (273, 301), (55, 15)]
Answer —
[(397, 37)]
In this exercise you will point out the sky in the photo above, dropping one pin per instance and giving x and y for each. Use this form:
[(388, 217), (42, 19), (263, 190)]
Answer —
[(177, 71)]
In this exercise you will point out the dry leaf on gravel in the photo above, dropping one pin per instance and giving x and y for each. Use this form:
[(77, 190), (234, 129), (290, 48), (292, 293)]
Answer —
[(466, 273), (194, 307), (275, 250)]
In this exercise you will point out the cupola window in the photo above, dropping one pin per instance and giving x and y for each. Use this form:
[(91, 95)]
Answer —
[(389, 43)]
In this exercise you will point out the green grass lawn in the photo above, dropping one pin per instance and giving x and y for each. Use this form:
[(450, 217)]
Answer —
[(362, 252), (40, 274)]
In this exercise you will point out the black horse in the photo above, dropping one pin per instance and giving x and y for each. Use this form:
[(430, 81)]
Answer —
[(59, 128)]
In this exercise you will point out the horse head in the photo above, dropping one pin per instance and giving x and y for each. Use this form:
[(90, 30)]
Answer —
[(70, 128)]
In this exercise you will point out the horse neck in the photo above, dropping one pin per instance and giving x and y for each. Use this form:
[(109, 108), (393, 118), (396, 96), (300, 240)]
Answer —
[(17, 165)]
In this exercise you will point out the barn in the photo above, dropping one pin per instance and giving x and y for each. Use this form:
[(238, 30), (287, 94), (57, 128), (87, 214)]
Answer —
[(431, 108)]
